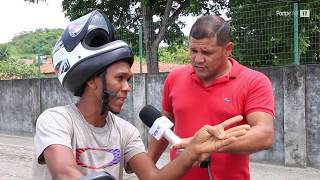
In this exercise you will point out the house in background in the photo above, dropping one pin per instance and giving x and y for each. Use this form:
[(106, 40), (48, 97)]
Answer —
[(46, 67)]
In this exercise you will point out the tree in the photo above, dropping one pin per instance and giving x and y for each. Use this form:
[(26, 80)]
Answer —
[(27, 44), (4, 52), (158, 17), (15, 68)]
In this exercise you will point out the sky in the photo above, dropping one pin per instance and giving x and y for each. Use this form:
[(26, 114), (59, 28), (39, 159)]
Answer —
[(17, 16)]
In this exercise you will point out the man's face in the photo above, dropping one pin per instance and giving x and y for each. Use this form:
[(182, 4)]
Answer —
[(208, 59), (118, 76)]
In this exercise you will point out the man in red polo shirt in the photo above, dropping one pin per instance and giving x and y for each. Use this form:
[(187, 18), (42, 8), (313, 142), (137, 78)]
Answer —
[(212, 89)]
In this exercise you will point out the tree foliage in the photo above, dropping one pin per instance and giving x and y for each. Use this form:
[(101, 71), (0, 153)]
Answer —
[(28, 44), (4, 52), (159, 18), (15, 68)]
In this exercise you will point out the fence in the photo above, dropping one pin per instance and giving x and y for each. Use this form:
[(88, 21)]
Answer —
[(277, 32), (269, 33)]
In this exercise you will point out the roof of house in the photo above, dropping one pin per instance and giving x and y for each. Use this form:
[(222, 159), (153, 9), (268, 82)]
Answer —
[(47, 68)]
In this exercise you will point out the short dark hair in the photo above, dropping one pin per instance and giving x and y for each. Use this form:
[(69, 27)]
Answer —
[(211, 26)]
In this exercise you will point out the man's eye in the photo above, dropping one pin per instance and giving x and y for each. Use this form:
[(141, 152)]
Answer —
[(207, 52), (119, 78), (193, 51)]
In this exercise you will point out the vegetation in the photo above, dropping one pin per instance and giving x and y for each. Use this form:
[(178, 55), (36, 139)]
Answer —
[(26, 45), (177, 55), (4, 52), (260, 35), (30, 44), (158, 17), (263, 32), (15, 68)]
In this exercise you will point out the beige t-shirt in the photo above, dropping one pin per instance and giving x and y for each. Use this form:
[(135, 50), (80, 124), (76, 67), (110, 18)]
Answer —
[(108, 148)]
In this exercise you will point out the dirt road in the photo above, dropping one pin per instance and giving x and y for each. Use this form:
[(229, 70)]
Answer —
[(16, 160)]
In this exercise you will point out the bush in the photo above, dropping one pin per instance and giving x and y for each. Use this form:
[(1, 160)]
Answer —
[(16, 69), (178, 55)]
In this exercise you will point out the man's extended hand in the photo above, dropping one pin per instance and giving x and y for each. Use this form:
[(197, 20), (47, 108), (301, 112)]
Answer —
[(210, 138)]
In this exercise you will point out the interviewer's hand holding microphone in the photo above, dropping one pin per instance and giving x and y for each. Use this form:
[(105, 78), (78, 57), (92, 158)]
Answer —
[(205, 141)]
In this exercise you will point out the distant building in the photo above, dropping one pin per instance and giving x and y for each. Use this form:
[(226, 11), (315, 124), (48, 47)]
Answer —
[(46, 66)]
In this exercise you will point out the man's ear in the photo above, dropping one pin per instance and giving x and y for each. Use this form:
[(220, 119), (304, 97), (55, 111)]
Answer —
[(93, 83), (228, 48)]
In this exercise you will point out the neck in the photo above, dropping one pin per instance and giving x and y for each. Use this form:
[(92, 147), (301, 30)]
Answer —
[(224, 69), (91, 111)]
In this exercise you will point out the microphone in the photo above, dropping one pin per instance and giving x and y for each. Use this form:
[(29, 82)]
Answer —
[(159, 125)]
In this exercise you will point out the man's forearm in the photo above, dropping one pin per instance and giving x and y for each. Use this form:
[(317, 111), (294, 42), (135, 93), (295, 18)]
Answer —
[(178, 167), (69, 172), (256, 139), (156, 148)]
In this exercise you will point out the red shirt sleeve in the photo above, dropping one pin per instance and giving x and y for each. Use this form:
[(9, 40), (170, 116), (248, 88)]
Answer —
[(260, 96), (166, 100)]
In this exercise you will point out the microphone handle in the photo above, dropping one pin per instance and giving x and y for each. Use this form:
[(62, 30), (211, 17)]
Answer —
[(171, 137)]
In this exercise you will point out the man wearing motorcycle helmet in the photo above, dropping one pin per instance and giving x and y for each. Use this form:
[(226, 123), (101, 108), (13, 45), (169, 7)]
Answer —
[(79, 139)]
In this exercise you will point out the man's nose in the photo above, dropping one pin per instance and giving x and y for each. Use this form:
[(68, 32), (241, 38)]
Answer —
[(126, 86), (199, 58)]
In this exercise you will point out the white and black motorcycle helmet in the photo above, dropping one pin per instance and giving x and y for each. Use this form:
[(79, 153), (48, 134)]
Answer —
[(86, 47)]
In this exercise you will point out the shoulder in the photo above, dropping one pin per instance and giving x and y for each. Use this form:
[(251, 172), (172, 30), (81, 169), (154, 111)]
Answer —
[(56, 115), (62, 111), (179, 73), (184, 70), (252, 76)]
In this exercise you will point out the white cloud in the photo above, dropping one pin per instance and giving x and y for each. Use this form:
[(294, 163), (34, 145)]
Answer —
[(17, 16)]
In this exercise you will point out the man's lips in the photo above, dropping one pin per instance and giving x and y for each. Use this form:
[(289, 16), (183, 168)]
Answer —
[(199, 67), (122, 98)]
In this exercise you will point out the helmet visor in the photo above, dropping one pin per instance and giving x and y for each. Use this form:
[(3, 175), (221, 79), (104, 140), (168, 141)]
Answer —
[(77, 29), (76, 26)]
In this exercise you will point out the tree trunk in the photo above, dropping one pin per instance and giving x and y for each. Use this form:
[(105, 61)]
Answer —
[(149, 36), (151, 39)]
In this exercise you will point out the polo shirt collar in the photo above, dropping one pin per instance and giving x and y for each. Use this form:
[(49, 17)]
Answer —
[(236, 68)]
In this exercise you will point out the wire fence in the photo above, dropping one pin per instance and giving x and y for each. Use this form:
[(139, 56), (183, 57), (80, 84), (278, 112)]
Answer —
[(272, 33), (276, 33)]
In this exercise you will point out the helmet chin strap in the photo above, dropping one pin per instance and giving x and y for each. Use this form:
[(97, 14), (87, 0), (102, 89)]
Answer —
[(105, 94)]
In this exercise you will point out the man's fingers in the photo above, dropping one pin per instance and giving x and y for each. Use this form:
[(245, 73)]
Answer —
[(183, 144), (231, 121), (219, 144), (236, 133), (238, 128), (179, 146), (225, 143), (228, 141), (216, 131)]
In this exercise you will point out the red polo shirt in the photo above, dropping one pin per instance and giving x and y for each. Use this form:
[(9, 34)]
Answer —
[(240, 92)]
